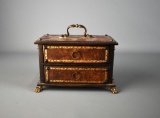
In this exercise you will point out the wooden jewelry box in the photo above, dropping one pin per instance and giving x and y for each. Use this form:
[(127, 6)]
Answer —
[(76, 60)]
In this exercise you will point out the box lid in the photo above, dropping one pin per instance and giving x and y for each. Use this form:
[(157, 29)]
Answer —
[(76, 40), (68, 39)]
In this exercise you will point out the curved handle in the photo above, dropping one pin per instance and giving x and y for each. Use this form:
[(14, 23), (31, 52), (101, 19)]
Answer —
[(77, 26), (76, 55), (76, 76)]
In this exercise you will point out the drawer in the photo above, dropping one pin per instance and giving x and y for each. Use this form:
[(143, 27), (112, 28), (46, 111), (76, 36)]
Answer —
[(76, 54), (76, 74)]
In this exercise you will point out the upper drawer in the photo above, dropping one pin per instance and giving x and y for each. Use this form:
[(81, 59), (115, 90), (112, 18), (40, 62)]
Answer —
[(76, 54)]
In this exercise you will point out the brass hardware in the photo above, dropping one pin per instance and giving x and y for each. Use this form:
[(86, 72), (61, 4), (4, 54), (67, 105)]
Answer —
[(46, 73), (63, 36), (100, 82), (106, 54), (45, 54), (76, 53), (46, 79), (58, 68), (76, 26), (76, 47), (38, 89), (76, 76), (114, 90)]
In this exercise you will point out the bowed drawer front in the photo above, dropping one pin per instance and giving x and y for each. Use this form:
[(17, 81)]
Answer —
[(76, 60), (76, 54)]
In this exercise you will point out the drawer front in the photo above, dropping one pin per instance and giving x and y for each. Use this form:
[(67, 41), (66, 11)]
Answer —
[(76, 54), (76, 75)]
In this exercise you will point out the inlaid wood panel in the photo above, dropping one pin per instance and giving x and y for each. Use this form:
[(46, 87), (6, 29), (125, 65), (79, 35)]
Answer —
[(76, 75), (76, 54)]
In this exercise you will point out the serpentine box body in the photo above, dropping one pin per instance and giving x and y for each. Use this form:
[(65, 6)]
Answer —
[(76, 60)]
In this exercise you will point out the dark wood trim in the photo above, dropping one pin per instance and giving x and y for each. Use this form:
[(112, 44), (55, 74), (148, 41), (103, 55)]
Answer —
[(77, 64), (78, 43), (41, 60), (75, 85), (111, 61)]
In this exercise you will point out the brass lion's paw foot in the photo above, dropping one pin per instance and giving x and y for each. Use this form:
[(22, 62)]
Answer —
[(38, 89), (114, 90)]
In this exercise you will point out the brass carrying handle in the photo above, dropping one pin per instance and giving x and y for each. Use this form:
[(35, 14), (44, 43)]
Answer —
[(77, 26), (74, 55), (76, 76)]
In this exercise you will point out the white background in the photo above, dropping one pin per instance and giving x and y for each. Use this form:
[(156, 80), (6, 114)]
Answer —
[(135, 24)]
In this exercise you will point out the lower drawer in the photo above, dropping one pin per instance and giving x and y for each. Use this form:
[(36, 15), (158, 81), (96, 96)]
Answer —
[(76, 74)]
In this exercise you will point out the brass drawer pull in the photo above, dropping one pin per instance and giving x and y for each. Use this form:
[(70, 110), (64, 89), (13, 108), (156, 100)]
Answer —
[(76, 55), (76, 76)]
